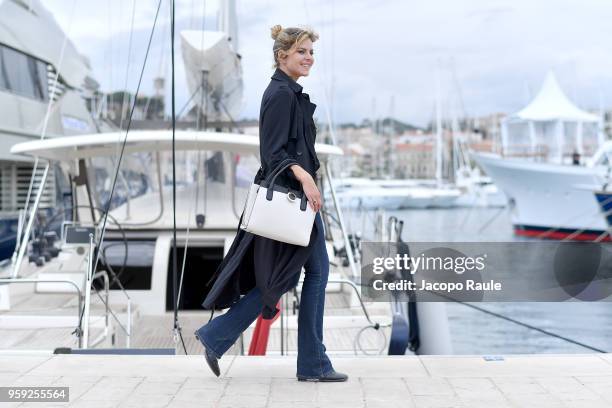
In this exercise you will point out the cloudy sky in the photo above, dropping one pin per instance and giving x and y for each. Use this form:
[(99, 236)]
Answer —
[(374, 58)]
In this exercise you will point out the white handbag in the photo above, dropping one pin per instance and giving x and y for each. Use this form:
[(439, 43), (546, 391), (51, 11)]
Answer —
[(277, 212)]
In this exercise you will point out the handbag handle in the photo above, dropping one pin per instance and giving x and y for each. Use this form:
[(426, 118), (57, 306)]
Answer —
[(279, 169), (270, 185)]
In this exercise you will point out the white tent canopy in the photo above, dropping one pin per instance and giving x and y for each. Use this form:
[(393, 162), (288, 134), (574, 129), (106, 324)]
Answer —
[(551, 127), (551, 103)]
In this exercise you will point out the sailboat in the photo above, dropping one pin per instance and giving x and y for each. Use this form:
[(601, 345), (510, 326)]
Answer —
[(437, 193), (395, 194), (478, 189)]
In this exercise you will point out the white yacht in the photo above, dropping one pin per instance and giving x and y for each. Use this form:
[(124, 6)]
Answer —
[(45, 91), (552, 200), (553, 158)]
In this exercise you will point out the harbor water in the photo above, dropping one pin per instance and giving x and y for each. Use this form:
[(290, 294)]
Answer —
[(476, 332)]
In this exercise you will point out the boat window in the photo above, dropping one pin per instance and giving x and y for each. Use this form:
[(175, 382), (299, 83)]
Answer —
[(203, 182), (246, 169), (63, 189), (590, 138), (23, 74), (137, 176), (192, 166), (39, 76), (214, 167), (16, 65), (3, 74), (134, 270), (202, 179)]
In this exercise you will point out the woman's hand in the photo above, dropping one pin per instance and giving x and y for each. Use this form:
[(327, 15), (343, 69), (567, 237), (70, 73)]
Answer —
[(309, 186)]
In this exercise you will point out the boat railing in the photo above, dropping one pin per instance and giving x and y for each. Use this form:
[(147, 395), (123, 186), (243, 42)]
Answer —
[(10, 281), (350, 256), (84, 303), (108, 313), (372, 324), (538, 152), (389, 230), (91, 277), (82, 325), (355, 288)]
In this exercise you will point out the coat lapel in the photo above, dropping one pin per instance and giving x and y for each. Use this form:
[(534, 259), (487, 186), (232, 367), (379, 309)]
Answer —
[(309, 130)]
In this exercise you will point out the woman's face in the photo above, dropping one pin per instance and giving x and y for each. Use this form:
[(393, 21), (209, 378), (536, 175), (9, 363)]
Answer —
[(297, 62)]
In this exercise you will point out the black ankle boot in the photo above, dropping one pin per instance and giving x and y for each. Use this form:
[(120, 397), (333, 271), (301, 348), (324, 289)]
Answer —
[(211, 359), (332, 376)]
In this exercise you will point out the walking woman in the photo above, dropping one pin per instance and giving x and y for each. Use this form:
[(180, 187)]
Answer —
[(263, 269)]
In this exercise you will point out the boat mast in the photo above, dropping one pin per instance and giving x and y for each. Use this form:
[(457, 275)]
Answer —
[(227, 21), (390, 132), (438, 130)]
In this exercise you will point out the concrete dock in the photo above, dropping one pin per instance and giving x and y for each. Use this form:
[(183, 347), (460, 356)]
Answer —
[(96, 381)]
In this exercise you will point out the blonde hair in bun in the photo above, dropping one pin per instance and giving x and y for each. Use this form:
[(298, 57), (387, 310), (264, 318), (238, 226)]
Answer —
[(285, 39), (276, 31)]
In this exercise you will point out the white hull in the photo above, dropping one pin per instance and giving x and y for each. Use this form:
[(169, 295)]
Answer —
[(426, 197), (487, 195), (547, 196), (394, 198), (371, 198)]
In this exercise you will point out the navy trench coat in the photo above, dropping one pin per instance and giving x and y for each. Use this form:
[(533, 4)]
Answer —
[(286, 133)]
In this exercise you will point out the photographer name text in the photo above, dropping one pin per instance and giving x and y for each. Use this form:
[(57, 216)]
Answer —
[(407, 285)]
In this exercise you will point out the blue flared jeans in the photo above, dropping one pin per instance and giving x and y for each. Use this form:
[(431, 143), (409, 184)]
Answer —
[(312, 361)]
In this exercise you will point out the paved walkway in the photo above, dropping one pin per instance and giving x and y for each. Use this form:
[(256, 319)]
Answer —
[(385, 382)]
